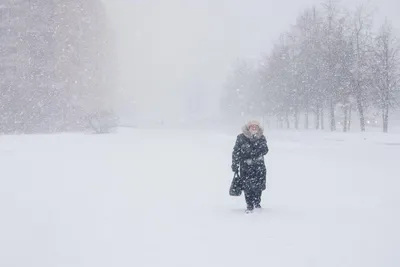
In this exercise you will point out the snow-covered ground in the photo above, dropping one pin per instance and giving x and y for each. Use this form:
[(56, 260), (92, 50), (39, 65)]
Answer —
[(160, 198)]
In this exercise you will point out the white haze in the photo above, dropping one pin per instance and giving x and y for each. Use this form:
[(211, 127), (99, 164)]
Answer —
[(174, 55)]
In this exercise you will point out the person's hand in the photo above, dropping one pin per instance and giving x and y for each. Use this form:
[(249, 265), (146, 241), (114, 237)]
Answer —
[(235, 168), (254, 153), (249, 161)]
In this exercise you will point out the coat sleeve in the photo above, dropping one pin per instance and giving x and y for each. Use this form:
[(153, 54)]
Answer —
[(236, 153), (263, 146), (261, 149)]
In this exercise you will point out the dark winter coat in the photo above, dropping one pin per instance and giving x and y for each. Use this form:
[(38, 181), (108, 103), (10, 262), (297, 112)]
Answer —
[(248, 157)]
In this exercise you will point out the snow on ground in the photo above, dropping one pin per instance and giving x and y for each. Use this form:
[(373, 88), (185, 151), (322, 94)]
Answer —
[(160, 198)]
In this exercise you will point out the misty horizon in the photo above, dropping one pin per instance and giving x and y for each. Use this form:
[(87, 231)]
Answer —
[(174, 56)]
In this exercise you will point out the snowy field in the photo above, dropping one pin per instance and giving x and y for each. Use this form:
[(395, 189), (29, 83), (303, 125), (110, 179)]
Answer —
[(160, 198)]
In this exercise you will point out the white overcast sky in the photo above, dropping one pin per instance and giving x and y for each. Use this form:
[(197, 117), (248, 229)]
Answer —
[(174, 51)]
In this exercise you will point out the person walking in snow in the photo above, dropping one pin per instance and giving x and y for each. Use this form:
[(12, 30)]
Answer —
[(248, 158)]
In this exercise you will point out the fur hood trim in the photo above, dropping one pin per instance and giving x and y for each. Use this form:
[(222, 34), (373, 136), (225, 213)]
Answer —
[(246, 131)]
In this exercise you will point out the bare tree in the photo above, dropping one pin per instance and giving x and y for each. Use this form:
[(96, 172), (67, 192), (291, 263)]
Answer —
[(336, 58), (386, 70), (296, 71), (309, 27), (361, 39), (327, 60)]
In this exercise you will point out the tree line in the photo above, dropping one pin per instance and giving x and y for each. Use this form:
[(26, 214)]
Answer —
[(57, 68), (332, 60)]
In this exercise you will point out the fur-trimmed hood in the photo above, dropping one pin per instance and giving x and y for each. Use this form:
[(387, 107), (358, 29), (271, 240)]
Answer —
[(246, 131)]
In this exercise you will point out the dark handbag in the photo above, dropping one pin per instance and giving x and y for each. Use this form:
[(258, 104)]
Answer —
[(236, 186)]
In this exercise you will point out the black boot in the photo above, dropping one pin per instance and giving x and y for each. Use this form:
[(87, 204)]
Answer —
[(249, 196), (249, 209), (257, 200)]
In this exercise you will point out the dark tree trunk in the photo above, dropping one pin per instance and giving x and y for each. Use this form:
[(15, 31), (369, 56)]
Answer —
[(278, 121), (287, 120), (306, 122), (345, 122), (296, 118), (349, 126), (332, 116), (317, 116), (385, 115), (322, 119), (361, 112)]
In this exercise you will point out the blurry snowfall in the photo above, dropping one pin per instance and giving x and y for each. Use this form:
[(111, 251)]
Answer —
[(175, 56), (160, 198)]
